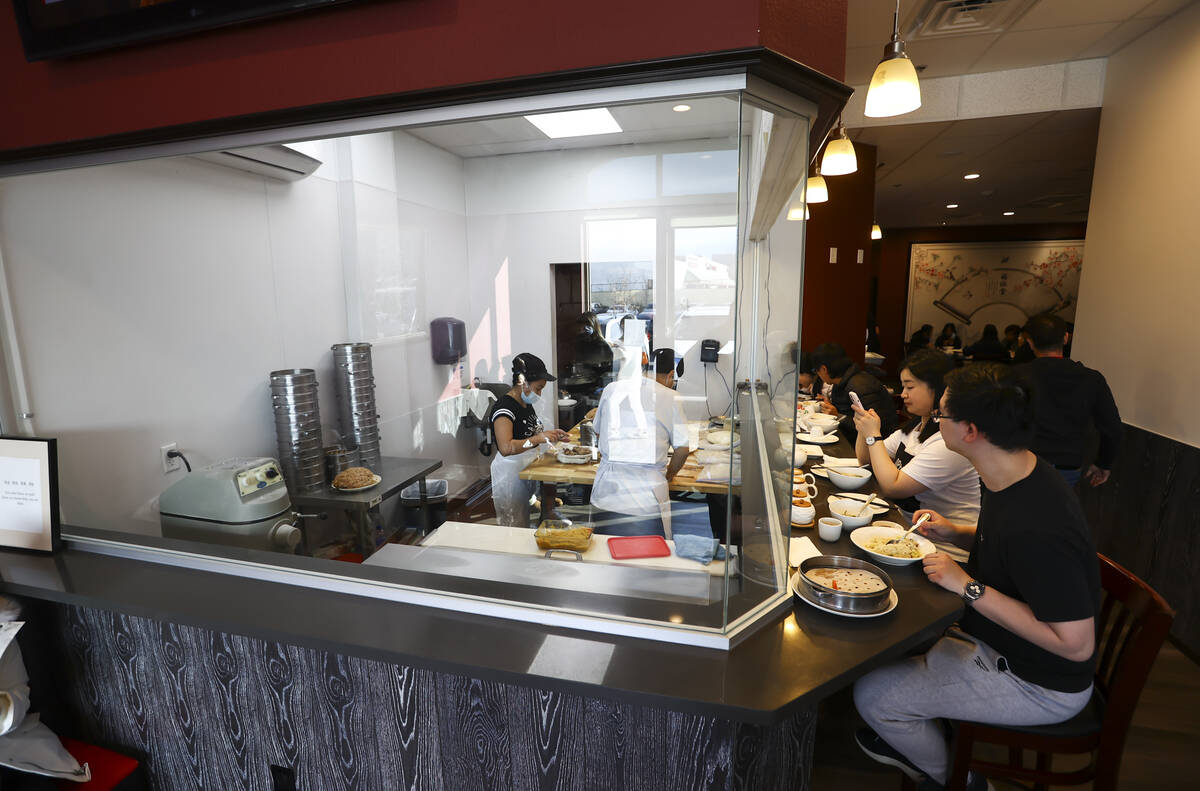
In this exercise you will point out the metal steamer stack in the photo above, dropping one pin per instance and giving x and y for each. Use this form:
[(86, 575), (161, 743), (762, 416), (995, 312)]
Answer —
[(298, 428), (355, 385)]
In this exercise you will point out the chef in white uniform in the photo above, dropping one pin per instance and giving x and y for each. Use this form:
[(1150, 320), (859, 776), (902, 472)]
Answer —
[(519, 433), (638, 418)]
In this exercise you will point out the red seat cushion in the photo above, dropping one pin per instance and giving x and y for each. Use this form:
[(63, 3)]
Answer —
[(108, 768)]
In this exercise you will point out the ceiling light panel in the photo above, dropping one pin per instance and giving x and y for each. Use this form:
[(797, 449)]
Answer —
[(575, 123)]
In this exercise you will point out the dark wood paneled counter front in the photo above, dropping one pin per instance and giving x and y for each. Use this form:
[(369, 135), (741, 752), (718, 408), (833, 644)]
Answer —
[(214, 678)]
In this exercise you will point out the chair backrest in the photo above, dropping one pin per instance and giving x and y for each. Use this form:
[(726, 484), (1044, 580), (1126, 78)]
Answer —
[(1133, 622)]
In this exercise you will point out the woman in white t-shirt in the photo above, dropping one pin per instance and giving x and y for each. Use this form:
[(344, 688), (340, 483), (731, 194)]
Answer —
[(913, 466)]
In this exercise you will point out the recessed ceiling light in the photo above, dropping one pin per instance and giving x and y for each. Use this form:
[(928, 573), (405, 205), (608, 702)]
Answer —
[(951, 205), (970, 176), (1009, 213), (706, 156), (575, 123), (681, 108)]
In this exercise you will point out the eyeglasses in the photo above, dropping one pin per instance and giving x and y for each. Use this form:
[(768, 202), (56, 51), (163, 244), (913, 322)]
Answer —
[(939, 414)]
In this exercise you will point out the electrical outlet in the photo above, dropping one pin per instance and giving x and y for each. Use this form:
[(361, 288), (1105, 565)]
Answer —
[(170, 463)]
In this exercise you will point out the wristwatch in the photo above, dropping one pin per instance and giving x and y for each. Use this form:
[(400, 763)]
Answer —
[(973, 590), (873, 440)]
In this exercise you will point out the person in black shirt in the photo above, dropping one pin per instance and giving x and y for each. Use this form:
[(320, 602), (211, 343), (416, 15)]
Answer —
[(988, 347), (1024, 651), (833, 366), (519, 435), (1068, 399), (949, 337)]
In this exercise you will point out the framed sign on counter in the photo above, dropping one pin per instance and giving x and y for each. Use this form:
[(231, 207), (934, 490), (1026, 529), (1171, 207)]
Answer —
[(29, 493)]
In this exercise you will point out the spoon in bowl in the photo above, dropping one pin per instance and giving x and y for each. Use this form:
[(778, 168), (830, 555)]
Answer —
[(916, 524), (863, 507)]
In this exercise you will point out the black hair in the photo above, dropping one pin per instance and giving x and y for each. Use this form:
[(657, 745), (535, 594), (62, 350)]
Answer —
[(804, 362), (929, 367), (664, 360), (990, 333), (997, 399), (833, 357), (1014, 328), (1046, 332), (588, 319)]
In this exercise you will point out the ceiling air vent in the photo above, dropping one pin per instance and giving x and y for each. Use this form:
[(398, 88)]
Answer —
[(936, 18)]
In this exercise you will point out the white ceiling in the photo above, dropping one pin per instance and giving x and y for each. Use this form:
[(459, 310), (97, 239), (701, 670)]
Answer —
[(1049, 31), (1037, 165), (714, 117)]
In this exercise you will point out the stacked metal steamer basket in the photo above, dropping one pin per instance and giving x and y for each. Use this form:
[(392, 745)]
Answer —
[(298, 428), (355, 385)]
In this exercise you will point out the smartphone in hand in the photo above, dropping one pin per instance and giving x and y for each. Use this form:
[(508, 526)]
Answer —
[(854, 399)]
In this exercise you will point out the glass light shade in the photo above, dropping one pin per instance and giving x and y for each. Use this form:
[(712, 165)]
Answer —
[(797, 210), (876, 231), (816, 190), (894, 89), (839, 158)]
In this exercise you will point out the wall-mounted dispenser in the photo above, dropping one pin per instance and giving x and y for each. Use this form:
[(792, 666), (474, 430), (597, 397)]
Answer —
[(447, 340)]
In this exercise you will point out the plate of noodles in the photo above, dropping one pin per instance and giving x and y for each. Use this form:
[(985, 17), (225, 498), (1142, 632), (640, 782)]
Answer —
[(873, 539)]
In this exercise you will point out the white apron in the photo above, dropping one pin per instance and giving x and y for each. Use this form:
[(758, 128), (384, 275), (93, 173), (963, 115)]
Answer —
[(509, 493)]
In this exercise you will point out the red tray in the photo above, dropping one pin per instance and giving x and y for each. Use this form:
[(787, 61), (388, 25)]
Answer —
[(630, 547)]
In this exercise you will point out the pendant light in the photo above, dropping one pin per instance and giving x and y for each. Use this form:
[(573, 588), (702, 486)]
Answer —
[(894, 89), (839, 158), (876, 231), (816, 191)]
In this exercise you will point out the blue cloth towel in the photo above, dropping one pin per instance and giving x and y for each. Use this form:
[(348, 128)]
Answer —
[(698, 548)]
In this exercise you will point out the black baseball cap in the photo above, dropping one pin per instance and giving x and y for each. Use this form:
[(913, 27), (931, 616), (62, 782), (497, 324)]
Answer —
[(532, 366)]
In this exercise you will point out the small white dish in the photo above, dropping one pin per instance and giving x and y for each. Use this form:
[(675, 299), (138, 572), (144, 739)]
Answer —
[(360, 488), (848, 478), (878, 508), (828, 439)]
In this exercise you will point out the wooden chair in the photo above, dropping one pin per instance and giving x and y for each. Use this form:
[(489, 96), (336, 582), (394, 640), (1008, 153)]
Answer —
[(1132, 625)]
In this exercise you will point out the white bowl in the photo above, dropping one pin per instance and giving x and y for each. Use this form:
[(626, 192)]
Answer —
[(848, 521), (848, 478), (863, 534), (824, 421)]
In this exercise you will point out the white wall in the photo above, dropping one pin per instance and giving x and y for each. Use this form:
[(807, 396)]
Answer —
[(527, 211), (152, 299), (1137, 320)]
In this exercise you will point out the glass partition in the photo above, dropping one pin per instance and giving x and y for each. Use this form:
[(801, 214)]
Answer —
[(458, 292)]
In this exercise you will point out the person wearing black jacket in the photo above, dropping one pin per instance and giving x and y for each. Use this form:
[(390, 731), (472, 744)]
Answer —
[(834, 367), (1068, 398)]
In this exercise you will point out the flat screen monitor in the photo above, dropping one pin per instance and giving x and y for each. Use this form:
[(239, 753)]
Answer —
[(54, 28)]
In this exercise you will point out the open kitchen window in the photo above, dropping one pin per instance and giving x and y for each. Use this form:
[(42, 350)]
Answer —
[(391, 271)]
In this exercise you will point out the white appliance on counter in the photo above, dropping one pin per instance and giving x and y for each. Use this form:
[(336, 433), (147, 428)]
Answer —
[(240, 502)]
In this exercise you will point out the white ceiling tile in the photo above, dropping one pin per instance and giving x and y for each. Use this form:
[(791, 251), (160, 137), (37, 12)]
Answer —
[(1037, 47), (861, 63), (1124, 33), (943, 57), (1072, 13), (1164, 7), (869, 22)]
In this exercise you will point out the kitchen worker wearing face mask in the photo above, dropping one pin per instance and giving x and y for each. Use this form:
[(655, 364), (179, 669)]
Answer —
[(638, 418), (518, 433)]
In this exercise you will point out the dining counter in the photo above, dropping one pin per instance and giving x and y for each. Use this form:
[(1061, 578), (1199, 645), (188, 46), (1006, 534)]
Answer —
[(213, 673)]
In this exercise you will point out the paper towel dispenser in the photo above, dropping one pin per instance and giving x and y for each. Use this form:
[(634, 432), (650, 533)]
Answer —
[(448, 340)]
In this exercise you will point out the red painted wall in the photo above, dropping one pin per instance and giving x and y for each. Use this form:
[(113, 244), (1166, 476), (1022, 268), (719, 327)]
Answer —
[(836, 295), (892, 255), (378, 48)]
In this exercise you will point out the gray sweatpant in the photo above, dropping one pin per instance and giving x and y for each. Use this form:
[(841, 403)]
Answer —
[(958, 678)]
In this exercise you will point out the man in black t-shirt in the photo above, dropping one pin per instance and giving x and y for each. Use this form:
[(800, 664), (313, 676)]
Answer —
[(1069, 398), (1024, 651)]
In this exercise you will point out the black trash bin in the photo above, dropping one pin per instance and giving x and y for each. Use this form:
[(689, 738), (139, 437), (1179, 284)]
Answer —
[(435, 495)]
